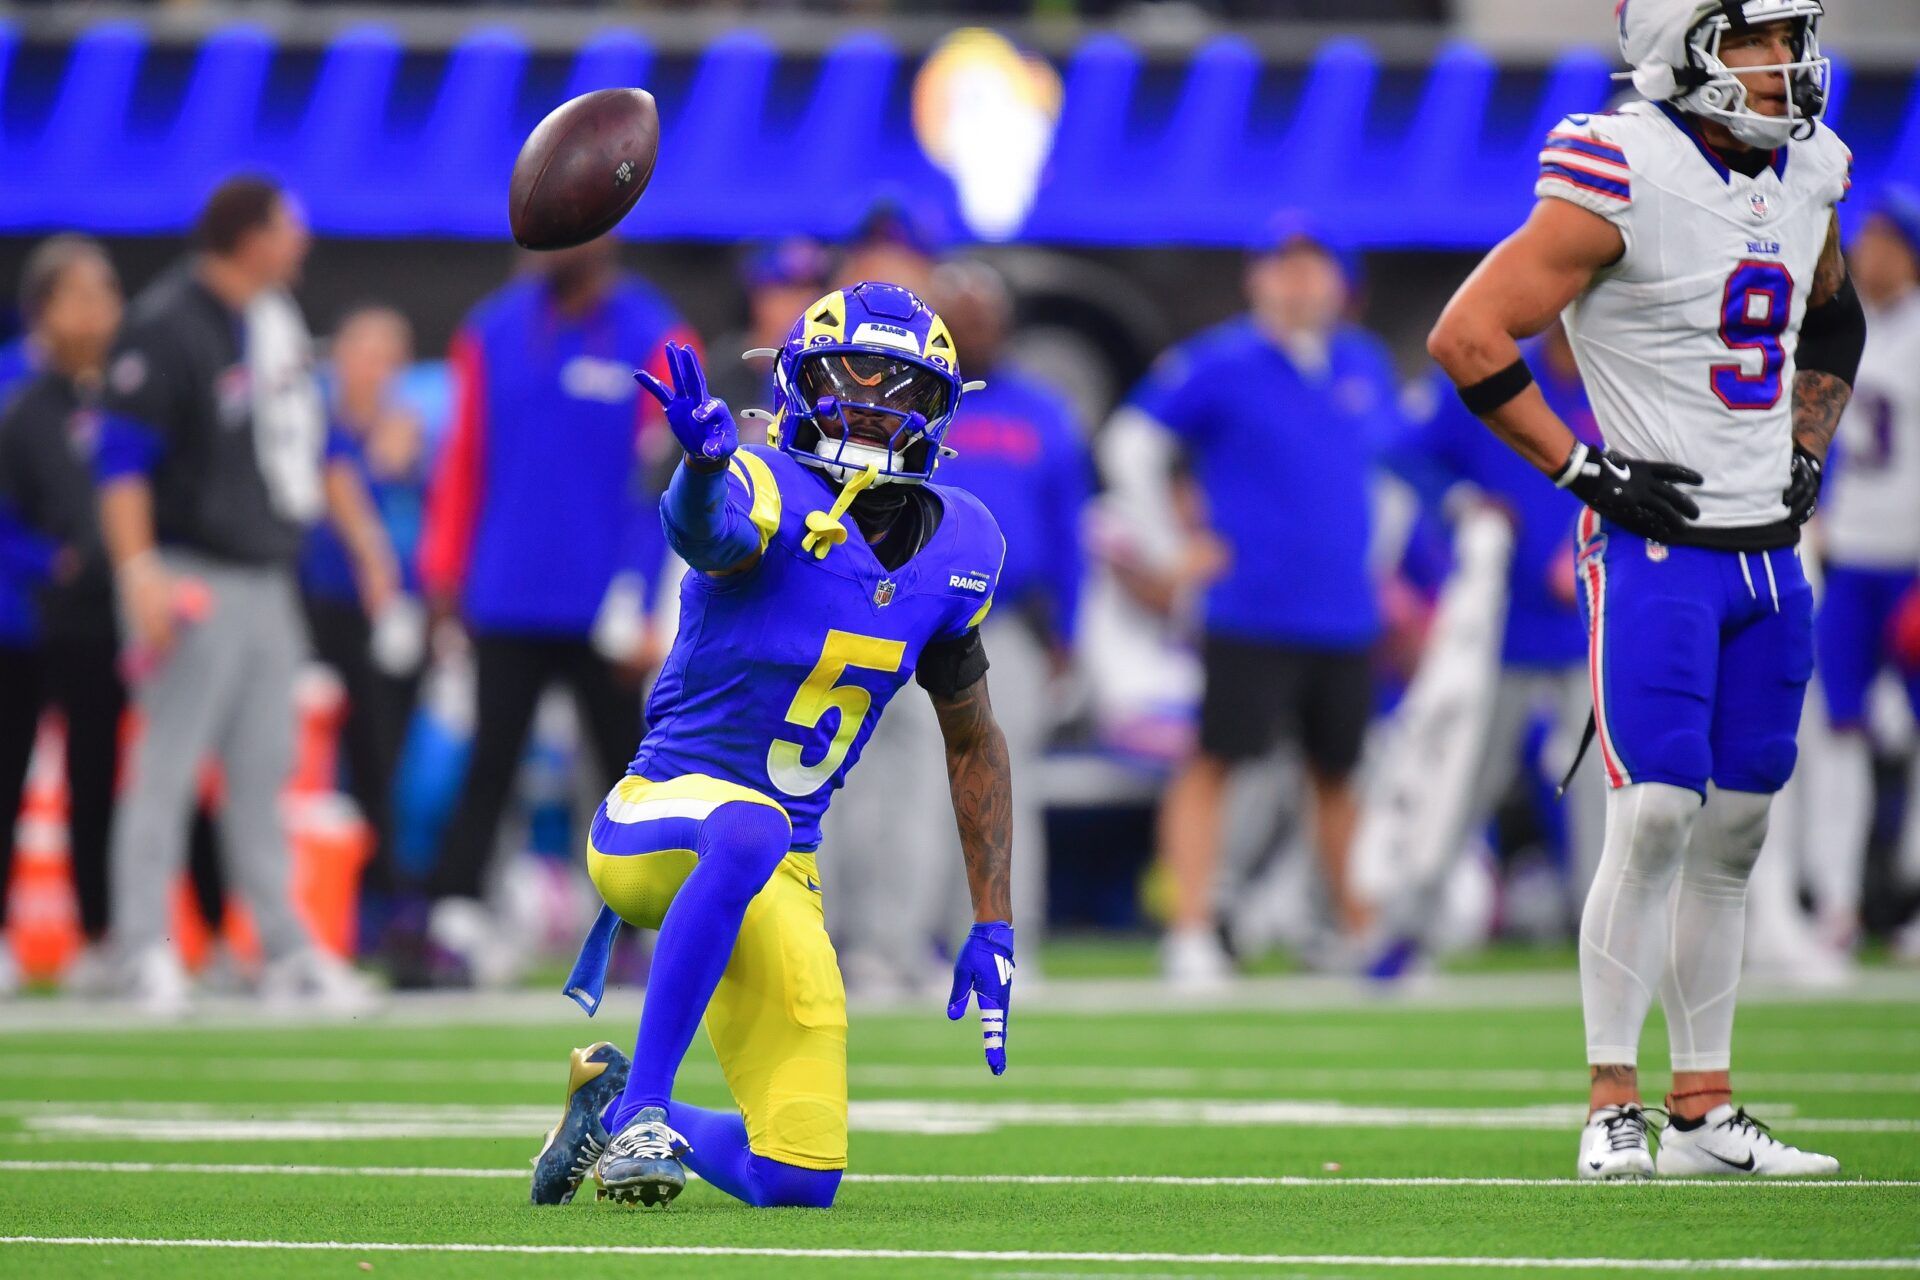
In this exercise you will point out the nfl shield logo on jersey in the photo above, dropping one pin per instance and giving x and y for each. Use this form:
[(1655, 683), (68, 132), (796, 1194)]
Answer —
[(883, 593), (1758, 203)]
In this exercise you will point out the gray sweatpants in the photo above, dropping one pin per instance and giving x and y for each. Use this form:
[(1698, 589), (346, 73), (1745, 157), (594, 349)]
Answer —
[(226, 689)]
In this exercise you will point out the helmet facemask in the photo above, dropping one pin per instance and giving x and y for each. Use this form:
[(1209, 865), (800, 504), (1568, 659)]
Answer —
[(851, 410), (1714, 90)]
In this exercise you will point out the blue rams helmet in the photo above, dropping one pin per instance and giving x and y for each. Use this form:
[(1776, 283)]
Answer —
[(867, 378)]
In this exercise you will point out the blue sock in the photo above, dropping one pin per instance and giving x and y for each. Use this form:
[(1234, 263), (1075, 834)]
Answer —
[(722, 1157), (739, 846)]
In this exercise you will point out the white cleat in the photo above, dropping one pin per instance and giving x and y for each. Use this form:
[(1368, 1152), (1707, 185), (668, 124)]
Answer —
[(158, 984), (1614, 1144), (313, 980), (1731, 1143), (1193, 960)]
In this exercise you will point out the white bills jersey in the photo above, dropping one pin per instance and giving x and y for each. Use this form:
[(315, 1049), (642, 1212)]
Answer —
[(1687, 343), (1870, 512)]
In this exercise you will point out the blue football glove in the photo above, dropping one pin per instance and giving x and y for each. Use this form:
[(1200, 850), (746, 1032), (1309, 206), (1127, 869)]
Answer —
[(701, 423), (985, 970)]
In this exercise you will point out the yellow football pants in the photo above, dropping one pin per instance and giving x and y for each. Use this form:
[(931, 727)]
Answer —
[(778, 1020)]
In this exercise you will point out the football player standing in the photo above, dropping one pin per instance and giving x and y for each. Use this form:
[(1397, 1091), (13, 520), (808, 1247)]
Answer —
[(1692, 243)]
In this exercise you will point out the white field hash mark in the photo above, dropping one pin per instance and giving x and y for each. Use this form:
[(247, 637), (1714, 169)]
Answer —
[(994, 1255), (1001, 1179)]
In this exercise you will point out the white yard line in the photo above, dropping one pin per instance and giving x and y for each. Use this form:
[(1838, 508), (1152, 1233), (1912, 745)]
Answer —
[(548, 1073), (989, 1179), (339, 1122), (996, 1255), (1126, 997), (257, 1170)]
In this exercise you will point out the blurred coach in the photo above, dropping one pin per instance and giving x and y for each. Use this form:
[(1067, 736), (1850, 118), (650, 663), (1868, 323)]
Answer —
[(211, 464), (1279, 416), (377, 659), (542, 535), (70, 299)]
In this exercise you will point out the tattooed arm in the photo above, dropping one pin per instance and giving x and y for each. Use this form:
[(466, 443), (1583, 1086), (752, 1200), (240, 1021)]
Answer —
[(982, 786), (1819, 397)]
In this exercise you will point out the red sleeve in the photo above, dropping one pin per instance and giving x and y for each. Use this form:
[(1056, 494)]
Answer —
[(453, 502), (649, 418)]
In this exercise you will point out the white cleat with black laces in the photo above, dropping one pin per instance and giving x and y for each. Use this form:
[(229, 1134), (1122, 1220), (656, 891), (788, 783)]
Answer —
[(1614, 1144), (1730, 1143)]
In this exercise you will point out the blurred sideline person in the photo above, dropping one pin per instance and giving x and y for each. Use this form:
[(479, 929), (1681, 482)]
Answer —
[(1279, 416), (61, 636), (1692, 242), (1451, 457), (896, 242), (70, 300), (377, 659), (24, 559), (211, 463), (1870, 530), (542, 536), (780, 280)]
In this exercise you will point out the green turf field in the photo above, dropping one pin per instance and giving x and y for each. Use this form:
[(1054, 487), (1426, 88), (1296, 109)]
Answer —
[(1130, 1137)]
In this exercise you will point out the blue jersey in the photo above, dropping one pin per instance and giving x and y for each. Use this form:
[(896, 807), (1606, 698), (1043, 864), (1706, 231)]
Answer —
[(779, 674), (1543, 616), (326, 569), (1285, 457), (1022, 454)]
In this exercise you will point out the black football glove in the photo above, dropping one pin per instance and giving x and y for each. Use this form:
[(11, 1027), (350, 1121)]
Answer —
[(1803, 491), (1640, 496)]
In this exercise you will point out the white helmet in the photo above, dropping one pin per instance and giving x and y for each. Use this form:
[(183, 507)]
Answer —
[(1673, 47)]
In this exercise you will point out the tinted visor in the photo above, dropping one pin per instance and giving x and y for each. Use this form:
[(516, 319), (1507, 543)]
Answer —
[(864, 378)]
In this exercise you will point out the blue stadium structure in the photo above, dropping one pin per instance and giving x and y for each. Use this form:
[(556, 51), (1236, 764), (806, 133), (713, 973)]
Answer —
[(384, 140)]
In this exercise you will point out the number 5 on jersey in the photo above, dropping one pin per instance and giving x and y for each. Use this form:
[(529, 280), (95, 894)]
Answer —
[(820, 693)]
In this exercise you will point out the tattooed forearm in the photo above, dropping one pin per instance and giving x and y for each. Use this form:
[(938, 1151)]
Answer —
[(982, 786), (1832, 271), (1818, 401)]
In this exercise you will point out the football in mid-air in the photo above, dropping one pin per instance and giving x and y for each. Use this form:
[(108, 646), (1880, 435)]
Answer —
[(582, 168)]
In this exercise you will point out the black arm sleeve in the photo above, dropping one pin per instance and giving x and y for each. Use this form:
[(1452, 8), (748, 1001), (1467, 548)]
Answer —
[(1833, 335), (948, 667)]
